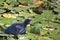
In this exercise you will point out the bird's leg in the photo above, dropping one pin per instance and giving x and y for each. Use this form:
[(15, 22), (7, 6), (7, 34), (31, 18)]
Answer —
[(16, 37)]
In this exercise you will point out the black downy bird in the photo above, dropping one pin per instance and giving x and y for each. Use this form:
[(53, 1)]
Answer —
[(17, 28)]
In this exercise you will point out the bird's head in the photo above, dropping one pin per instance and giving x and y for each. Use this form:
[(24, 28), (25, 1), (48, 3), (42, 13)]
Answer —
[(27, 21)]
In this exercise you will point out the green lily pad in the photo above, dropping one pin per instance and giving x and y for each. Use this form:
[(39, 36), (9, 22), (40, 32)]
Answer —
[(21, 9), (33, 5), (45, 38), (25, 1), (1, 1), (57, 9), (1, 10), (12, 2), (47, 14), (26, 15), (43, 32), (45, 0)]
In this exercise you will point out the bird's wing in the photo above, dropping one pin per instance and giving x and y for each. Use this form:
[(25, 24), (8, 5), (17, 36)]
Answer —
[(10, 29)]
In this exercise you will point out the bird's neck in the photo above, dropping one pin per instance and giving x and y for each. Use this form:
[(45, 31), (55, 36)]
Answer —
[(25, 24)]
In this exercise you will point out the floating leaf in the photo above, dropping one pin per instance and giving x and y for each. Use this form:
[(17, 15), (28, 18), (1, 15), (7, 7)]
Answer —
[(26, 15), (5, 5), (21, 9), (7, 20), (47, 14), (1, 1), (45, 38), (2, 10), (35, 30), (25, 1), (33, 5), (45, 0), (12, 2), (43, 32), (57, 9)]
